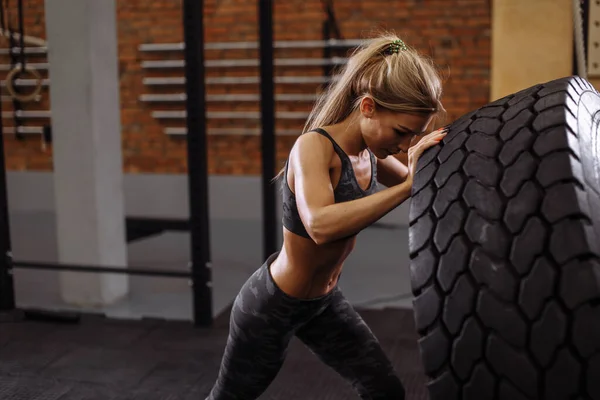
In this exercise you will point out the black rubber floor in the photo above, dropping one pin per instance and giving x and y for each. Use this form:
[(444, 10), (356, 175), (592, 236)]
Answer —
[(104, 359)]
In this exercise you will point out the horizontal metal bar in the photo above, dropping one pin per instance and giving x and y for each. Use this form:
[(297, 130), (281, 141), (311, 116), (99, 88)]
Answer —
[(38, 66), (280, 44), (233, 131), (31, 40), (171, 97), (228, 80), (23, 129), (305, 79), (165, 64), (26, 114), (101, 269), (28, 50), (179, 97), (168, 224), (282, 62), (235, 80), (148, 47), (295, 97), (27, 82), (289, 62), (9, 98), (230, 115), (164, 81)]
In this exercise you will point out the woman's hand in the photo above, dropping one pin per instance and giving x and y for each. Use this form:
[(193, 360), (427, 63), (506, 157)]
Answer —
[(414, 152)]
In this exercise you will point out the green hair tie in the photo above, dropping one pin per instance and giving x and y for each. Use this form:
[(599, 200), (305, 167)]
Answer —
[(396, 46)]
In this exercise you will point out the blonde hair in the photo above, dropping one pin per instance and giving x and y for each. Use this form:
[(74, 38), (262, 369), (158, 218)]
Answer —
[(397, 79)]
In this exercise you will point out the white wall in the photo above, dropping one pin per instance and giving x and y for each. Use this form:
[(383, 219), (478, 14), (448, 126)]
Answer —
[(230, 197)]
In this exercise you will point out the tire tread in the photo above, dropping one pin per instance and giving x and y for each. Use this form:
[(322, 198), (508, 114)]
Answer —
[(508, 304)]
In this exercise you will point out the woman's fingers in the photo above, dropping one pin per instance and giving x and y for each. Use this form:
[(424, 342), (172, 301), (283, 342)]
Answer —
[(433, 140), (415, 152), (429, 141)]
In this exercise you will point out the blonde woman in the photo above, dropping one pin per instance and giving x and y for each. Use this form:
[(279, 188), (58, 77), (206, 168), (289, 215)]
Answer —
[(386, 95)]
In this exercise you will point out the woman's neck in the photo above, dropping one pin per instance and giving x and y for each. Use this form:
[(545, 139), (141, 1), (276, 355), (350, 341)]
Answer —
[(348, 135)]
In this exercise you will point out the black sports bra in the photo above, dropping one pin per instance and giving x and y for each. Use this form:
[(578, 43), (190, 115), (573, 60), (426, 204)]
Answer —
[(347, 188)]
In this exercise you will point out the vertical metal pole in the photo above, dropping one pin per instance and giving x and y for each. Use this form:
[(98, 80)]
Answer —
[(579, 44), (327, 49), (326, 29), (7, 293), (585, 19), (193, 30), (267, 107)]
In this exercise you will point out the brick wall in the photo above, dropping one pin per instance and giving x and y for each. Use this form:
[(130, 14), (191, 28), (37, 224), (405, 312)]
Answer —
[(455, 32)]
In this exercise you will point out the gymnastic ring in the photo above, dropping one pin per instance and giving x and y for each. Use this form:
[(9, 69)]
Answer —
[(11, 78)]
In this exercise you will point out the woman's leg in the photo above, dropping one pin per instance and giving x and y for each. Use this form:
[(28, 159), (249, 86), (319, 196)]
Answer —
[(253, 356), (262, 323), (342, 340)]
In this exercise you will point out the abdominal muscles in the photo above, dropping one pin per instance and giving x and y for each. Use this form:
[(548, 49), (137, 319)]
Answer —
[(306, 270)]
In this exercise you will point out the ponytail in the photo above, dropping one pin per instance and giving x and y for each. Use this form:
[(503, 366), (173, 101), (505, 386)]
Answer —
[(396, 76)]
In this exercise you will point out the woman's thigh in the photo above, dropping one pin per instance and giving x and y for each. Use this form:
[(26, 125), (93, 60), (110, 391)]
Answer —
[(341, 339)]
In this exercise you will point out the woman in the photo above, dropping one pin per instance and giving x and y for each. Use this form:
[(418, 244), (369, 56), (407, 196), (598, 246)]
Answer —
[(386, 95)]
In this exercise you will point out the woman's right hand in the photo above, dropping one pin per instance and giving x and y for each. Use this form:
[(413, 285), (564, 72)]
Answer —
[(414, 152)]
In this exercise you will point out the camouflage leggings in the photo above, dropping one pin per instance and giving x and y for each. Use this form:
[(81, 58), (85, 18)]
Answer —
[(264, 319)]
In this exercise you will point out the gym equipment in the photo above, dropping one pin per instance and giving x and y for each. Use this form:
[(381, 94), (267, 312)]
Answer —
[(505, 249), (16, 73), (198, 270), (19, 68)]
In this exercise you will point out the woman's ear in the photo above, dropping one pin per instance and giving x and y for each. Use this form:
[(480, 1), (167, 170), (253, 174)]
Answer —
[(367, 107)]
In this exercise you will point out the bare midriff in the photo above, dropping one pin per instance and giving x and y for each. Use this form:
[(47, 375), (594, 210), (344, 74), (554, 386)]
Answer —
[(306, 270)]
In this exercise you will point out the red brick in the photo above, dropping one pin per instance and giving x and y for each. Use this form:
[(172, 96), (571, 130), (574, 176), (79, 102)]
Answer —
[(456, 33)]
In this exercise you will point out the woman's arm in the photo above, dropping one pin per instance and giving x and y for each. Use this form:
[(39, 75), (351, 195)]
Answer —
[(324, 220), (391, 171)]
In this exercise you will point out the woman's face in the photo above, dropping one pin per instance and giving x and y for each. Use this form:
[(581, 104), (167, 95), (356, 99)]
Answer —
[(387, 133)]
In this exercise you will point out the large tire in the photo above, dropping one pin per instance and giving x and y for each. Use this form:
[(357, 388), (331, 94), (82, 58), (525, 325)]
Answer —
[(505, 249)]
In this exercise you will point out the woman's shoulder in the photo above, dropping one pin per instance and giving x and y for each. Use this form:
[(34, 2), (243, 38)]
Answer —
[(313, 141), (311, 147)]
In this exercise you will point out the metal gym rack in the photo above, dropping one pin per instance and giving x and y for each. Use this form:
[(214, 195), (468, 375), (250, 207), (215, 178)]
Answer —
[(199, 272), (194, 96)]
